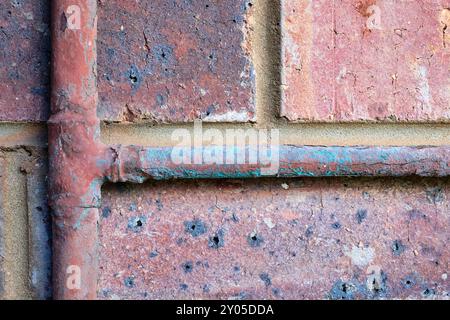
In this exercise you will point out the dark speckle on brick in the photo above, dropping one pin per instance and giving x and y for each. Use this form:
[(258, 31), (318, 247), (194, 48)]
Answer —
[(161, 100), (210, 110), (129, 282), (241, 296), (361, 215), (377, 285), (111, 52), (188, 266), (254, 240), (163, 53), (159, 204), (309, 231), (134, 76), (136, 224), (154, 254), (409, 281), (266, 279), (343, 291), (184, 286), (428, 292), (398, 247), (217, 240), (106, 212), (14, 75), (105, 292), (212, 61), (206, 288), (336, 225), (195, 227), (417, 214)]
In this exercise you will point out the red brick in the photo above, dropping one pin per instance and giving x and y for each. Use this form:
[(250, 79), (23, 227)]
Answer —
[(311, 238), (25, 60), (336, 68), (175, 61)]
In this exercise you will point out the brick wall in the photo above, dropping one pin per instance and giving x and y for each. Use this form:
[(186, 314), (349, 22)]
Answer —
[(340, 73)]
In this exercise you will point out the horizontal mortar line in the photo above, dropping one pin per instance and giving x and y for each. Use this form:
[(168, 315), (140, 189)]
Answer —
[(23, 134), (323, 134), (395, 134)]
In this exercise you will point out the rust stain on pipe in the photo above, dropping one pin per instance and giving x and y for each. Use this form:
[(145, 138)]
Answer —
[(74, 149), (137, 164)]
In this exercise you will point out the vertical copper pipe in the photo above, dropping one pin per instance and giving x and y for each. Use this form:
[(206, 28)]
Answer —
[(74, 150)]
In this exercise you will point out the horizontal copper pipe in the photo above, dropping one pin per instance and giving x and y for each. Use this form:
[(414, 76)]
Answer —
[(137, 164)]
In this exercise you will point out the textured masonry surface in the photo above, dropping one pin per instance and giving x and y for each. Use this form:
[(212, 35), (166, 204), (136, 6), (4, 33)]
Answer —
[(342, 63), (24, 60), (290, 239), (238, 239), (180, 61), (335, 67)]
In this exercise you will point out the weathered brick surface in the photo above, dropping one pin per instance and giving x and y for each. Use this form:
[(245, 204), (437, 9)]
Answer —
[(172, 61), (338, 67), (24, 60), (196, 65), (337, 239), (175, 61)]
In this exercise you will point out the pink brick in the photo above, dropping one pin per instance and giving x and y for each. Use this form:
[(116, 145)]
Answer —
[(338, 68), (261, 240)]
